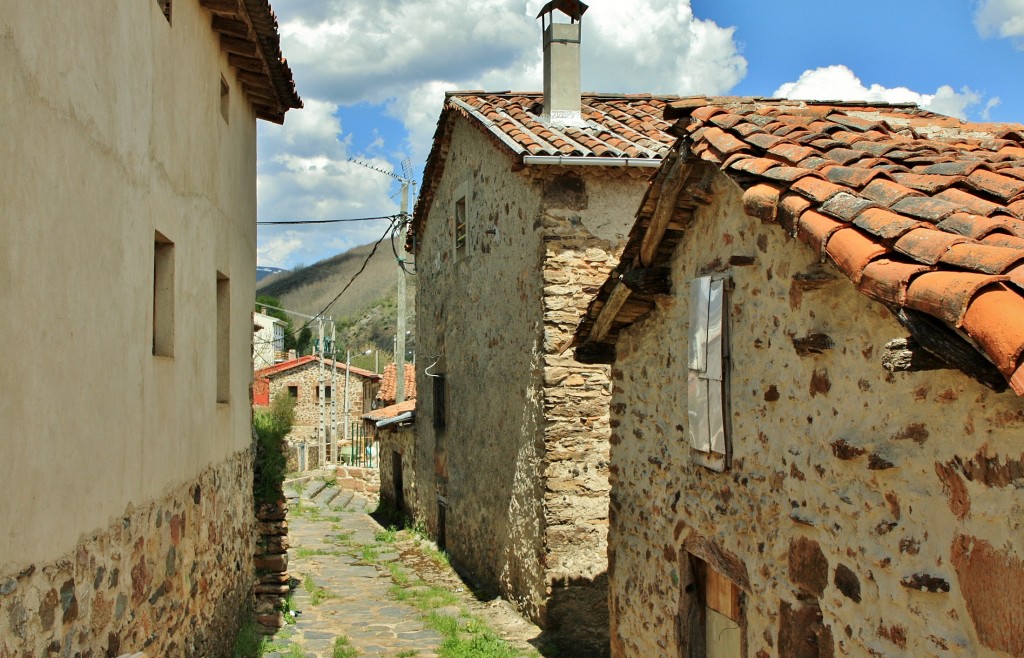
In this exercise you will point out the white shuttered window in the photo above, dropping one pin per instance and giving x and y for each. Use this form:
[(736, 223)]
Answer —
[(707, 373)]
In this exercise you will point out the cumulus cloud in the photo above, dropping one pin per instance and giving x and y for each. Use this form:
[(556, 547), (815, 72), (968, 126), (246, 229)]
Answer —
[(402, 55), (838, 82), (1001, 18)]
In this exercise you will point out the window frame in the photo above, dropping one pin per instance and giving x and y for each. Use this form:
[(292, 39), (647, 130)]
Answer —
[(708, 363)]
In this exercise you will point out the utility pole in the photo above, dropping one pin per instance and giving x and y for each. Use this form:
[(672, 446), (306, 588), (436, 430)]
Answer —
[(323, 405), (335, 446), (348, 409), (400, 338)]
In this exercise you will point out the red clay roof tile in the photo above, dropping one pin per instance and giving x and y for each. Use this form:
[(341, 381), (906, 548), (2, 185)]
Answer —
[(984, 258), (816, 189), (856, 177), (931, 209), (887, 192), (885, 223), (756, 166), (970, 225), (969, 201), (927, 245), (1017, 381), (995, 320), (929, 184), (999, 186), (851, 251), (887, 280), (845, 206), (1003, 240), (946, 295), (762, 201), (789, 174), (843, 155), (814, 230), (723, 141), (953, 168), (790, 209)]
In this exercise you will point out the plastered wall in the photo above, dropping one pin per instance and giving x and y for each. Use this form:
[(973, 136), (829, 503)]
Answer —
[(115, 133), (866, 513)]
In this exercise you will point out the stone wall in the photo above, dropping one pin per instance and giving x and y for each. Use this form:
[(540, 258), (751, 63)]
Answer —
[(172, 577), (521, 464), (394, 440), (361, 479), (864, 514)]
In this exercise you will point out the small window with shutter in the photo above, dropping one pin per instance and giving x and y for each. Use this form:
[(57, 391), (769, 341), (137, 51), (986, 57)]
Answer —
[(708, 374)]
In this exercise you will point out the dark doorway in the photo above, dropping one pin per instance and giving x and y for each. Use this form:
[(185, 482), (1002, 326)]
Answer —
[(441, 509)]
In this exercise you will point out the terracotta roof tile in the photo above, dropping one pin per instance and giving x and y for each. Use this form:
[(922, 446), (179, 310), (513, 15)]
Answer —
[(985, 258), (929, 184), (970, 225), (851, 251), (816, 189), (927, 245), (969, 201), (887, 280), (815, 229), (995, 319), (946, 295), (999, 186), (932, 209), (885, 224), (389, 384), (917, 209)]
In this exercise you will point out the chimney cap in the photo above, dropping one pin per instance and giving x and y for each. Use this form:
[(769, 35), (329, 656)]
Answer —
[(574, 9)]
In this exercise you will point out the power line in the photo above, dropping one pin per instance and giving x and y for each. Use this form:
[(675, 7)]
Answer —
[(301, 222)]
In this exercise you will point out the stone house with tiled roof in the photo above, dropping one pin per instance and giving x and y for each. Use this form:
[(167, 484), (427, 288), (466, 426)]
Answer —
[(816, 332), (129, 218), (525, 207), (300, 379)]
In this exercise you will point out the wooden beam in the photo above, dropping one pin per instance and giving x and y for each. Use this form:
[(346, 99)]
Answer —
[(607, 314), (229, 7), (932, 335), (259, 95), (238, 46), (246, 63), (648, 280), (671, 185), (256, 79), (230, 26)]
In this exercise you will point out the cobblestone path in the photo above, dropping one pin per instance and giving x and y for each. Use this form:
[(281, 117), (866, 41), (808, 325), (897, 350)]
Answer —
[(361, 590)]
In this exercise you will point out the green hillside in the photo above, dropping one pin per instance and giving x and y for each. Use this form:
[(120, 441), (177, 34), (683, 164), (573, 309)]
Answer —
[(366, 314)]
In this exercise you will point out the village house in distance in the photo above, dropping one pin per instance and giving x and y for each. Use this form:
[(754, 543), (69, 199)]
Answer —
[(129, 217), (817, 364), (526, 204), (299, 378)]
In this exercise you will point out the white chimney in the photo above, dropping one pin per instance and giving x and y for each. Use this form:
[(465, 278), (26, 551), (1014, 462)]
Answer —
[(562, 95)]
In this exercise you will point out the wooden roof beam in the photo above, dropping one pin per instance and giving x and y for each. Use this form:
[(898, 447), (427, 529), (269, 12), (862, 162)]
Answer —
[(610, 309), (227, 7), (230, 26), (665, 207)]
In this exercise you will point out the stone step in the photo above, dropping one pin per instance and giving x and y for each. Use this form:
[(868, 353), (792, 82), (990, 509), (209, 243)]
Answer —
[(326, 496), (315, 489), (344, 498), (332, 497)]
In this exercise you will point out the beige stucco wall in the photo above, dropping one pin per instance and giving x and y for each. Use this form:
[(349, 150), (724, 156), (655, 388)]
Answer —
[(845, 477), (113, 132)]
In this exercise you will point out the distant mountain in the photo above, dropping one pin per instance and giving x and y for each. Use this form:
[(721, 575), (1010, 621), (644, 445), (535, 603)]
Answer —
[(366, 313), (263, 272)]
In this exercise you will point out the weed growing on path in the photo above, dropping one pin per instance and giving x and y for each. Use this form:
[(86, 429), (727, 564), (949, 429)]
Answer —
[(249, 643), (317, 594), (369, 553), (469, 637), (343, 648), (302, 552), (388, 536)]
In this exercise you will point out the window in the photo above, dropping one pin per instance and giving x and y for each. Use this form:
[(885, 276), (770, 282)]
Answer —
[(439, 421), (460, 227), (223, 338), (327, 392), (225, 98), (293, 392), (163, 296), (707, 375), (165, 7)]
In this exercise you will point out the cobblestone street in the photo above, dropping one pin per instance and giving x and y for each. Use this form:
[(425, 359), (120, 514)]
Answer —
[(363, 590)]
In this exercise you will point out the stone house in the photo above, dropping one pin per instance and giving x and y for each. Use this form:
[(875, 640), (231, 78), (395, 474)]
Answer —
[(525, 207), (391, 429), (816, 332), (300, 379), (129, 226), (267, 341)]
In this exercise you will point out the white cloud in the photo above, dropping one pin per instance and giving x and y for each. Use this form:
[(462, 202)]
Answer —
[(404, 54), (1001, 18), (276, 251), (838, 82)]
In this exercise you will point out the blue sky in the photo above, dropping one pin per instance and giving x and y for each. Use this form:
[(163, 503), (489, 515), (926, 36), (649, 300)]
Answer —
[(373, 76)]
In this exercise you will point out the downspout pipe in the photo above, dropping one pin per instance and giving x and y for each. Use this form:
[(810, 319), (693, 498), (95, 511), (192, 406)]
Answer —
[(401, 418), (577, 161)]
